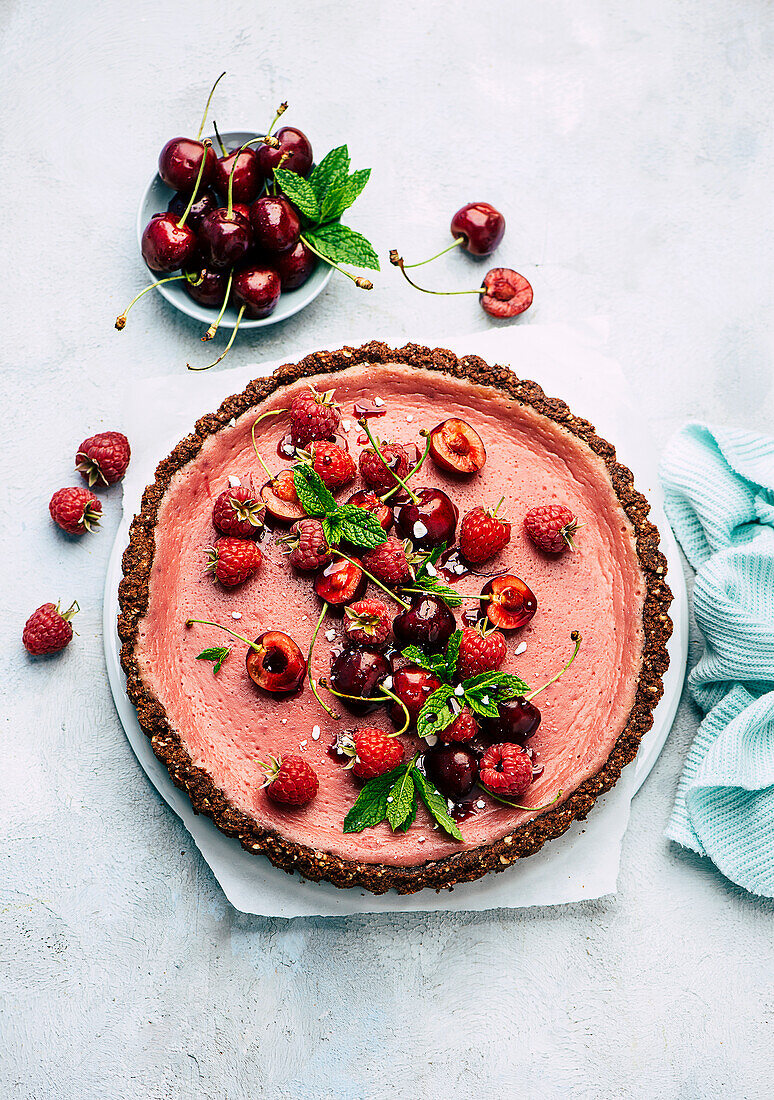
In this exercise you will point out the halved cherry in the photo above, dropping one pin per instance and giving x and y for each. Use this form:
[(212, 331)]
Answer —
[(340, 582), (457, 447), (275, 663), (372, 503), (510, 603), (281, 500)]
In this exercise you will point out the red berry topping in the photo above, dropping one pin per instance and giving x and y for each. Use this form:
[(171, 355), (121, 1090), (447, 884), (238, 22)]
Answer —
[(275, 662), (388, 562), (48, 629), (507, 293), (374, 472), (340, 582), (103, 458), (233, 560), (506, 769), (313, 416), (334, 465), (75, 509), (308, 546), (456, 447), (507, 602), (464, 728), (238, 512), (551, 527), (290, 780), (368, 622), (281, 499), (482, 534), (480, 651), (373, 752), (371, 503)]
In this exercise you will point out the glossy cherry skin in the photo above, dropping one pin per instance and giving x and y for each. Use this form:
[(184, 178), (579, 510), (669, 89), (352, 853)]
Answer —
[(429, 623), (292, 142), (431, 522), (517, 720), (359, 671), (212, 288), (248, 177), (277, 665), (276, 225), (258, 290), (295, 265), (206, 202), (179, 162), (340, 582), (225, 238), (481, 226), (413, 686), (166, 246), (453, 768)]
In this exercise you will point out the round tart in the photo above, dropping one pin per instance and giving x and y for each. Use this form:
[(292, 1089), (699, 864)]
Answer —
[(216, 730)]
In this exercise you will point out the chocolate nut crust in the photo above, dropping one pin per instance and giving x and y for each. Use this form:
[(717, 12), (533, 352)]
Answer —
[(467, 865)]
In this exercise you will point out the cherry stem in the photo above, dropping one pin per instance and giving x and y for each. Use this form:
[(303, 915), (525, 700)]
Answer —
[(359, 281), (256, 422), (575, 637), (403, 707), (397, 260), (280, 111), (214, 326), (364, 425), (373, 579), (399, 263), (387, 694), (227, 347), (192, 200), (312, 681), (223, 150), (412, 471), (209, 101), (517, 805), (121, 319), (241, 637)]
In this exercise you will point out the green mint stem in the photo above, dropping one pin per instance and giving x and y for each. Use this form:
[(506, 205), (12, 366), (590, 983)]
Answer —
[(364, 425)]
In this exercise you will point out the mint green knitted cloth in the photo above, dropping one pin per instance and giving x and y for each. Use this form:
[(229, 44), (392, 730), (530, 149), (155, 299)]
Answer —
[(719, 497)]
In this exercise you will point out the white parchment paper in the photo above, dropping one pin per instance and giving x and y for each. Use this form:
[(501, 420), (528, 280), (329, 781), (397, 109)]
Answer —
[(568, 362)]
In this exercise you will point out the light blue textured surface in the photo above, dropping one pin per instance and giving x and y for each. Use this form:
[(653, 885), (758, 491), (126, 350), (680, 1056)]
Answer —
[(719, 496)]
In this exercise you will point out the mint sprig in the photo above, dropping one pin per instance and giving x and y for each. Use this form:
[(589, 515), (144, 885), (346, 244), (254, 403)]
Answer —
[(349, 522), (426, 578), (217, 654), (393, 798)]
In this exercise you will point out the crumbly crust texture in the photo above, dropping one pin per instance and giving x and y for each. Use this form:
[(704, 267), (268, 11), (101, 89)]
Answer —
[(467, 865)]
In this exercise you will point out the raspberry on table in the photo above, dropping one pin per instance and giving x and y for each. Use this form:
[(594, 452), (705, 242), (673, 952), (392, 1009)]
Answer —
[(102, 459), (48, 629), (75, 509)]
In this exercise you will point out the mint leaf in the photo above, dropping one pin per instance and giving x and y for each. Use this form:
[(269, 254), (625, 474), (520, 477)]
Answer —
[(343, 245), (339, 199), (411, 818), (452, 653), (510, 686), (360, 527), (483, 692), (333, 529), (436, 714), (414, 654), (315, 498), (330, 172), (436, 804), (217, 654), (449, 595), (371, 805), (299, 191), (401, 799)]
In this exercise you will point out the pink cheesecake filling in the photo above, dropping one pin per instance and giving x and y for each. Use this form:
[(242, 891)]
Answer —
[(228, 726)]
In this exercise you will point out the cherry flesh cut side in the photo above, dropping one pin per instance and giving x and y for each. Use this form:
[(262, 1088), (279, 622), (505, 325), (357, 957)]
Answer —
[(507, 293), (281, 500), (510, 603), (457, 448), (275, 663), (340, 582)]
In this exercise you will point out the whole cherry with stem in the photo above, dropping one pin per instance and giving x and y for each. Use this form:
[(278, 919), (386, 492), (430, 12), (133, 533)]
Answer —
[(239, 170), (519, 718), (167, 242), (386, 696), (274, 661), (477, 227), (256, 291), (226, 235), (182, 158)]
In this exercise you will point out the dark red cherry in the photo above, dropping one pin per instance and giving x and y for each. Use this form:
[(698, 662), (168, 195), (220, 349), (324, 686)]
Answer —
[(295, 265), (511, 603), (481, 226), (372, 503), (179, 163), (225, 238), (340, 582), (258, 290), (277, 664), (453, 768), (212, 288), (359, 671), (294, 145), (166, 246), (276, 225), (206, 202), (507, 293), (248, 177), (428, 623), (413, 686), (431, 522), (517, 720)]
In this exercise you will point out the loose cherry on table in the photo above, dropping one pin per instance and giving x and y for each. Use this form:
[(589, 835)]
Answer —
[(181, 159), (428, 623), (476, 227), (276, 225), (508, 602), (293, 150), (294, 266), (275, 662), (413, 686), (429, 519), (456, 447), (453, 769)]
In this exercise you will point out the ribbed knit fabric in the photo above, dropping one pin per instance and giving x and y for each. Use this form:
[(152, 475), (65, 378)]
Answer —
[(719, 497)]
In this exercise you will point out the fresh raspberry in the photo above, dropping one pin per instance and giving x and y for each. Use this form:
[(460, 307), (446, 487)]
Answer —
[(103, 458), (238, 512), (290, 780), (233, 560), (480, 651), (313, 416), (308, 546), (551, 527), (368, 622), (75, 509), (372, 751), (482, 534), (334, 465), (506, 769), (463, 728), (48, 629), (372, 469), (388, 562)]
